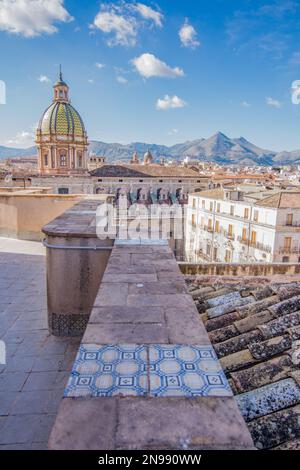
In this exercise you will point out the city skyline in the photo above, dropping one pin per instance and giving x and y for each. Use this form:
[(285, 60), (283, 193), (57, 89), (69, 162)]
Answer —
[(155, 72)]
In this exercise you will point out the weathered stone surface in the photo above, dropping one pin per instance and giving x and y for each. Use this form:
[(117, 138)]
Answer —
[(280, 325), (223, 334), (294, 444), (260, 294), (111, 294), (237, 343), (174, 287), (294, 332), (221, 322), (114, 333), (198, 293), (216, 293), (179, 423), (223, 299), (237, 360), (125, 314), (228, 307), (268, 399), (124, 277), (288, 290), (252, 309), (159, 300), (185, 329), (271, 430), (262, 374), (286, 306), (251, 322), (270, 347), (87, 424)]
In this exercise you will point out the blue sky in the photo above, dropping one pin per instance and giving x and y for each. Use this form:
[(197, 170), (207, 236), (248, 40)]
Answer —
[(157, 72)]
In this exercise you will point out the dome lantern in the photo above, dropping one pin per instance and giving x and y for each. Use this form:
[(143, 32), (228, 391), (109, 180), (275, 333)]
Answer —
[(61, 89)]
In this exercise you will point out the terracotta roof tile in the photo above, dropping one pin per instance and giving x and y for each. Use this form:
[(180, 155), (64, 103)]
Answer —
[(258, 347)]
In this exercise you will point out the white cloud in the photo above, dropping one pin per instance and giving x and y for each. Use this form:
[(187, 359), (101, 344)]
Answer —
[(169, 102), (173, 131), (121, 80), (32, 18), (149, 14), (245, 104), (91, 80), (99, 65), (150, 66), (23, 137), (115, 21), (272, 102), (44, 79), (188, 35), (121, 21)]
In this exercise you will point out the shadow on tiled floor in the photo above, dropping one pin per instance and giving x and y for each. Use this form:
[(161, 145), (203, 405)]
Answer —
[(37, 364)]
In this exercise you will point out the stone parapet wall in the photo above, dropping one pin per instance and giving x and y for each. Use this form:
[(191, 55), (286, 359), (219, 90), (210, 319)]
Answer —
[(240, 269)]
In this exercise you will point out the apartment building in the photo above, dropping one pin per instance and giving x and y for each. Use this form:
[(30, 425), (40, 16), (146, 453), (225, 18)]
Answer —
[(223, 225)]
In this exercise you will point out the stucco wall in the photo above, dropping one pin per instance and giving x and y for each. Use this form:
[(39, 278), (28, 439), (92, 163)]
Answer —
[(22, 216)]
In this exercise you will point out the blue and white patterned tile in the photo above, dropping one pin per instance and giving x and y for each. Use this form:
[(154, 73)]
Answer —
[(190, 371), (109, 370)]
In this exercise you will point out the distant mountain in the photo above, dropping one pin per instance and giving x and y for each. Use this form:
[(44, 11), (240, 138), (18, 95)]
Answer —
[(10, 152), (219, 148)]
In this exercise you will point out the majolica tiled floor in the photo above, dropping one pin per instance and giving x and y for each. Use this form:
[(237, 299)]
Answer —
[(153, 370)]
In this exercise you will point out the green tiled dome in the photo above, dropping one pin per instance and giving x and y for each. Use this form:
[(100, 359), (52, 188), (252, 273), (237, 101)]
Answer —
[(62, 119)]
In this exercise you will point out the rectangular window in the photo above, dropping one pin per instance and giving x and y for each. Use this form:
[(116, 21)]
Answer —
[(194, 203), (63, 190), (255, 216), (217, 226), (289, 219), (244, 234), (215, 253), (253, 237), (194, 219), (46, 160), (287, 243), (246, 213), (203, 204), (230, 230), (228, 256), (218, 207), (231, 210), (208, 250), (211, 206), (63, 160), (209, 224)]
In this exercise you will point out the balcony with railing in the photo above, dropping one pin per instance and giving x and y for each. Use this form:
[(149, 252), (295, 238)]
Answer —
[(255, 245), (286, 250)]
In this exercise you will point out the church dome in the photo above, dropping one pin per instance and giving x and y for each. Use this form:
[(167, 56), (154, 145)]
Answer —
[(148, 158), (61, 118)]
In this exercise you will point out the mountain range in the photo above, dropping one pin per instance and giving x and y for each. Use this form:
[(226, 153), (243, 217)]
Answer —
[(219, 148)]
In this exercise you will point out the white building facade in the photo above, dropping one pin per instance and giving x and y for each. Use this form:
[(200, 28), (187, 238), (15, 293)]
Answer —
[(223, 227)]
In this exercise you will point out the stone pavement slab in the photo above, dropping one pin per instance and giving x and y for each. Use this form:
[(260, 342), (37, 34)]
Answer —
[(37, 366)]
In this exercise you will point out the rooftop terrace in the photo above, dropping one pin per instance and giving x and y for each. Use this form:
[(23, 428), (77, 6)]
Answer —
[(38, 364)]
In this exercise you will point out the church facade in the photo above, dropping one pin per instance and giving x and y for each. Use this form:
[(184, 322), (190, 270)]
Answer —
[(61, 137)]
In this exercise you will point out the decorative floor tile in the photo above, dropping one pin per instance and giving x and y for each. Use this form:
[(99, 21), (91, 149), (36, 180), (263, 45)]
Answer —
[(190, 371), (108, 371)]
